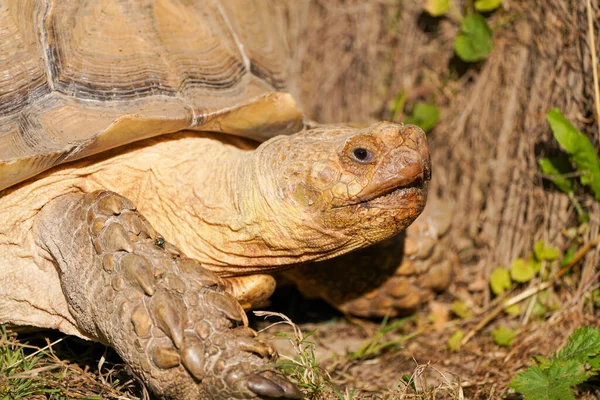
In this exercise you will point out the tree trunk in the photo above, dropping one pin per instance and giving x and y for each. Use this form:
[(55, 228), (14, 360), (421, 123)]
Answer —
[(353, 58)]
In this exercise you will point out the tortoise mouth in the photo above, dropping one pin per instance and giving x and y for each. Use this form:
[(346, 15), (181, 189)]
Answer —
[(393, 196), (404, 188)]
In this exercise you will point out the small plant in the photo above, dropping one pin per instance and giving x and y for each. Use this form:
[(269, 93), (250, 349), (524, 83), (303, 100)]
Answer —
[(581, 160), (375, 347), (523, 270), (474, 42), (461, 310), (504, 336), (487, 5), (437, 8), (554, 379), (455, 341), (17, 371), (304, 368), (424, 115)]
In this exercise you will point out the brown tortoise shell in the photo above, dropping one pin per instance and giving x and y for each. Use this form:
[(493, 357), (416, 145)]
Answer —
[(78, 77)]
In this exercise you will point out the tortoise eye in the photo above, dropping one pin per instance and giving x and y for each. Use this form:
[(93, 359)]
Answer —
[(362, 155)]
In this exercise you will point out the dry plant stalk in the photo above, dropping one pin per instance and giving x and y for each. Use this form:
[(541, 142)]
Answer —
[(591, 36)]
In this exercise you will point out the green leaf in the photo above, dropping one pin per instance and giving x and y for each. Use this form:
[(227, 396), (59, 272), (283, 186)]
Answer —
[(539, 309), (487, 5), (555, 168), (397, 105), (437, 8), (424, 115), (571, 232), (500, 281), (594, 363), (583, 344), (461, 310), (408, 379), (596, 298), (454, 341), (535, 264), (474, 42), (553, 383), (543, 362), (569, 254), (513, 310), (309, 334), (504, 336), (521, 271), (543, 252), (554, 379), (580, 148)]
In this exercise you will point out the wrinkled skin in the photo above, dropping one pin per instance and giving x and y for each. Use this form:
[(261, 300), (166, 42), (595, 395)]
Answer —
[(309, 196), (347, 188), (124, 242), (171, 321)]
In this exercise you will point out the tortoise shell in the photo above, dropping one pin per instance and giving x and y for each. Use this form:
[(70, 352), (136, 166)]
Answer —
[(78, 77)]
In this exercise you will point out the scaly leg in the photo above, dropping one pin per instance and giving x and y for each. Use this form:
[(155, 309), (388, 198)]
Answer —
[(172, 321)]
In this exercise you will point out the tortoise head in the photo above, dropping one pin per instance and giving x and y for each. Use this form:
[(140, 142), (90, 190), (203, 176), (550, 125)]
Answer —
[(346, 188)]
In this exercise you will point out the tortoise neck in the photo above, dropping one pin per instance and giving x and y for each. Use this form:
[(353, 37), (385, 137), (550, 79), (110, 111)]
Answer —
[(238, 221), (217, 205), (236, 215)]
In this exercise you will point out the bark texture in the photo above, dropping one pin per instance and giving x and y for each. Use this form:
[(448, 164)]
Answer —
[(355, 57)]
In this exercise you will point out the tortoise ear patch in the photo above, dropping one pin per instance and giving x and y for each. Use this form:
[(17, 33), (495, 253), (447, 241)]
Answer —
[(324, 175)]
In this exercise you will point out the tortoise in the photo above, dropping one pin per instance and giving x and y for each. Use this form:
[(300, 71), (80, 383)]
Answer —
[(137, 207)]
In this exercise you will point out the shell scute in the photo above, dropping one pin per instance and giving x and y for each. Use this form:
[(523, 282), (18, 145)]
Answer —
[(82, 77)]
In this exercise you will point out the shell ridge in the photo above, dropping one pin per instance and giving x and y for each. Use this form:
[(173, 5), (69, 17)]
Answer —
[(43, 38), (234, 35)]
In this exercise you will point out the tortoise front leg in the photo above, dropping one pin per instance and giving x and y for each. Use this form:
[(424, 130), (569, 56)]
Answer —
[(171, 320)]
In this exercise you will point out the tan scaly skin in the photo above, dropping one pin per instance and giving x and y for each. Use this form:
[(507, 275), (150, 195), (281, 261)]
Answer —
[(93, 267)]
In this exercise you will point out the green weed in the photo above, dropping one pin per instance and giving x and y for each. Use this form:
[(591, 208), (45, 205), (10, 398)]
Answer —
[(304, 368), (555, 378), (374, 347), (19, 373)]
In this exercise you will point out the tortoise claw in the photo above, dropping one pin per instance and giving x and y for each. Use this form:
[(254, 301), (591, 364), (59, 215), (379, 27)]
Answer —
[(272, 385), (264, 387)]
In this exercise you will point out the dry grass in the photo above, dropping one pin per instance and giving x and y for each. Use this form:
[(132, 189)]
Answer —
[(321, 363), (479, 370), (485, 150), (33, 367)]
